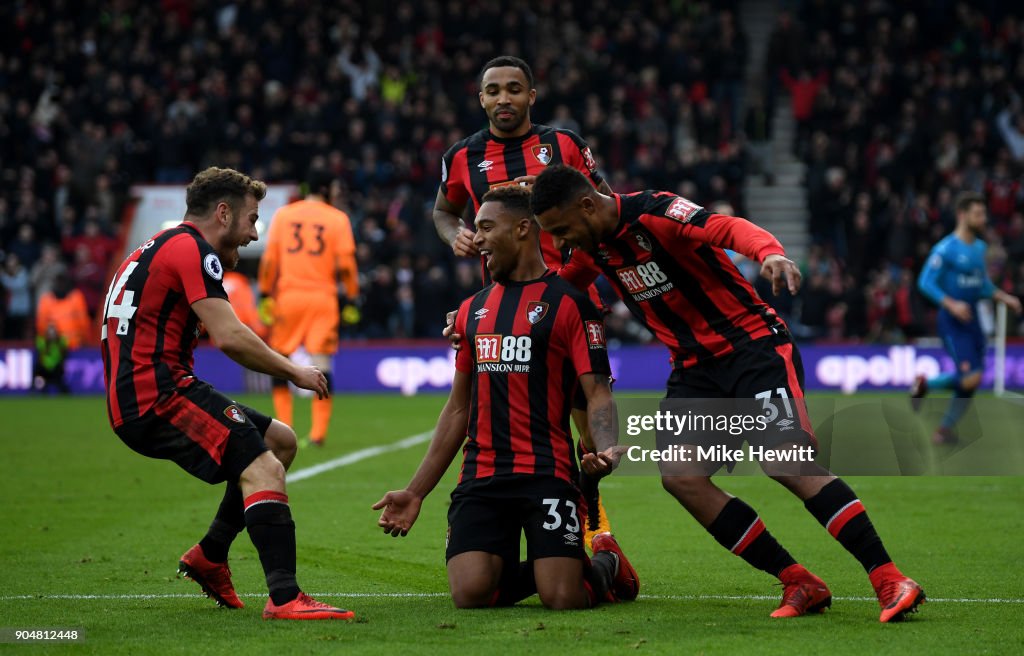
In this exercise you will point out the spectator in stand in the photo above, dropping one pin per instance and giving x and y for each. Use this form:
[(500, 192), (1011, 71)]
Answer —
[(89, 276), (26, 246), (1011, 126), (917, 105), (18, 307), (1003, 193), (377, 95), (803, 91), (64, 309), (46, 271), (99, 246)]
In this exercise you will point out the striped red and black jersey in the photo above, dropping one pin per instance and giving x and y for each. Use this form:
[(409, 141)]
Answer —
[(149, 330), (527, 344), (482, 161), (665, 260)]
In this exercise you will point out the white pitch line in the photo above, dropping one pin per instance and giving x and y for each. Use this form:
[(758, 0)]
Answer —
[(356, 456), (429, 595)]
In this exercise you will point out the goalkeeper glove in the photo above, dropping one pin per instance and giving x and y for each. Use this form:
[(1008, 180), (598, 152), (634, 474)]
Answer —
[(350, 315), (266, 311)]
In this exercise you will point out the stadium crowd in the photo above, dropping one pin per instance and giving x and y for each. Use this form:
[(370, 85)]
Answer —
[(96, 96), (898, 107)]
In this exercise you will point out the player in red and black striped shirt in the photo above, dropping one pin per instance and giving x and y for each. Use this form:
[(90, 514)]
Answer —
[(511, 150), (158, 299), (663, 255), (531, 340)]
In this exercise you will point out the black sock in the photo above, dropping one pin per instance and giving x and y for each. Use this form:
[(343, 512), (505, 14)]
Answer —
[(600, 575), (517, 583), (839, 510), (227, 524), (591, 494), (272, 531), (741, 531)]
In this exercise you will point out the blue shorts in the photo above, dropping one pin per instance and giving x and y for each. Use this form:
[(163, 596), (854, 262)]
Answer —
[(965, 343)]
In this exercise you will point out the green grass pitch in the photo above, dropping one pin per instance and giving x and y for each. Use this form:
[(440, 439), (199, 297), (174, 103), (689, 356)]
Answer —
[(92, 533)]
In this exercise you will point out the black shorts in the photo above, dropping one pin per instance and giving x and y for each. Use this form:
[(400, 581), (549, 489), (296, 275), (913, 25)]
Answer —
[(490, 515), (204, 432), (765, 376)]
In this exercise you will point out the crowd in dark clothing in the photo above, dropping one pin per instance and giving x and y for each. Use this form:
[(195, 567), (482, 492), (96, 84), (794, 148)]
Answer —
[(98, 95), (900, 106)]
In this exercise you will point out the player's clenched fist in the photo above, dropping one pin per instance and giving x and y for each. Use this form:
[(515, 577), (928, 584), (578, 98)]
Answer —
[(463, 245)]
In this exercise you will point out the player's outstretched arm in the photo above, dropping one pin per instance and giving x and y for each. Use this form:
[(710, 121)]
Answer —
[(448, 223), (742, 236), (245, 347), (402, 507), (603, 416), (1009, 300)]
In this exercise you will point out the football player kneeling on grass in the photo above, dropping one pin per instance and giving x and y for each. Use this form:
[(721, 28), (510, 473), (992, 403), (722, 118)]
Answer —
[(532, 340)]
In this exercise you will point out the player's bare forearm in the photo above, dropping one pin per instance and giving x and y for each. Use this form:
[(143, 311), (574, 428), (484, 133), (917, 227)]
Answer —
[(449, 435), (239, 342), (448, 438), (602, 413), (447, 225), (247, 349), (604, 424)]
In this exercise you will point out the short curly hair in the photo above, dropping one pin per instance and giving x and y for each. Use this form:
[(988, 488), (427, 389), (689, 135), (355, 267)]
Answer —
[(556, 186), (215, 184), (507, 60), (512, 196)]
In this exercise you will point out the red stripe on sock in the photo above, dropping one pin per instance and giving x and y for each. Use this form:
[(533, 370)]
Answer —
[(839, 520), (756, 529), (265, 496)]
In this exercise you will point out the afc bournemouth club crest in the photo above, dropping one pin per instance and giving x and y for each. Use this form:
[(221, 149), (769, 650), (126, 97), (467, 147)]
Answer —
[(233, 413), (643, 241), (536, 311), (543, 153)]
